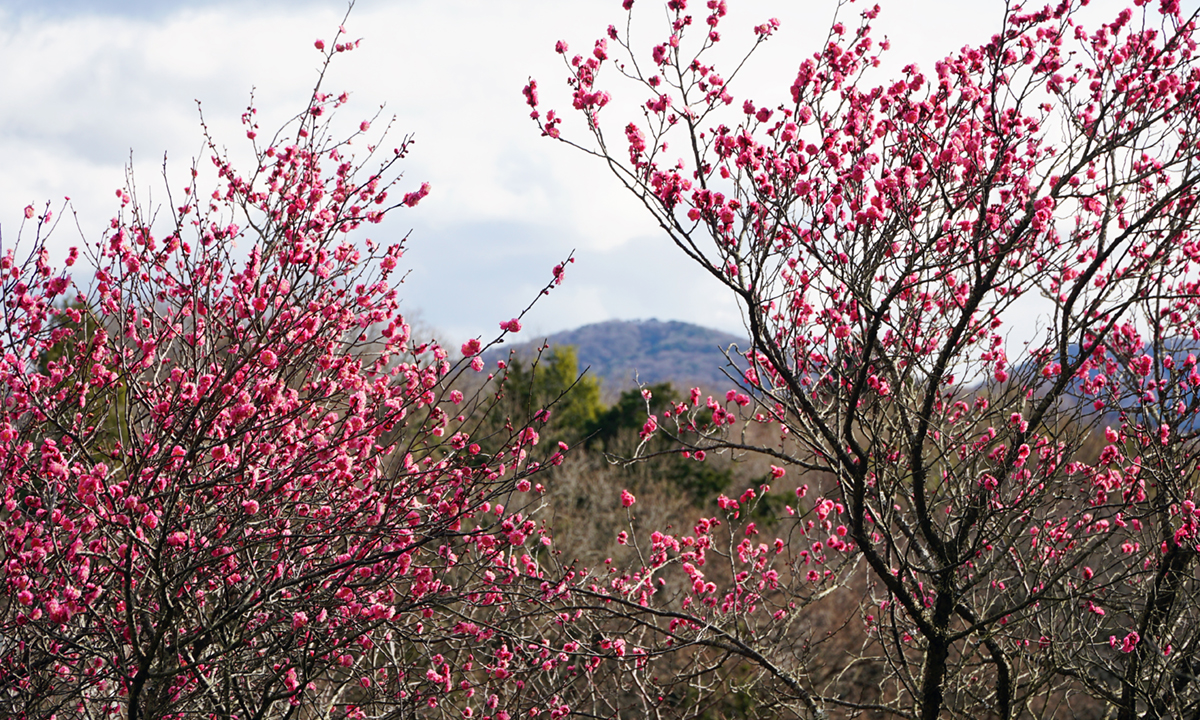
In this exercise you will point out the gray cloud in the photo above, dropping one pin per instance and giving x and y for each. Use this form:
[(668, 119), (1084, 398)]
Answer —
[(466, 278), (142, 9)]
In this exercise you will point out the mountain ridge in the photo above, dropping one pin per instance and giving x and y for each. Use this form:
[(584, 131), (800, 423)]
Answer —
[(653, 351)]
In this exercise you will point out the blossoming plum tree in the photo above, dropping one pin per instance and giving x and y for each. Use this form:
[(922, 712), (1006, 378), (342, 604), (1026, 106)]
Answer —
[(234, 485), (880, 239)]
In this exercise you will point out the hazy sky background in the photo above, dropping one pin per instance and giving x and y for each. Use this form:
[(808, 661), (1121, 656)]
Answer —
[(89, 85)]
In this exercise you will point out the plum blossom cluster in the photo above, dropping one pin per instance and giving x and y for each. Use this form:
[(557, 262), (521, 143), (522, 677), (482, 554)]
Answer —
[(234, 483), (1020, 518)]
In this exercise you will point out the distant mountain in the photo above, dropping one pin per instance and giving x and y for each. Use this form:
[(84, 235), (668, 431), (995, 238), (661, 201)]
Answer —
[(614, 351)]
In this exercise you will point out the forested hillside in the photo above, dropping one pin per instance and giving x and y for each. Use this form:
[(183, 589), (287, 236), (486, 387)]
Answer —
[(621, 353)]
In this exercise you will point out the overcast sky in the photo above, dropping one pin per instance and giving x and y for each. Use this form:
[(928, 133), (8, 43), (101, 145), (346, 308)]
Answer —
[(89, 85)]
